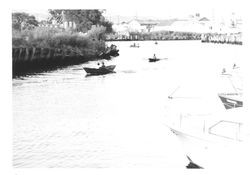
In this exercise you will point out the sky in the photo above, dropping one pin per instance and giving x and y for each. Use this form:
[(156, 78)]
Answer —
[(161, 9), (118, 14)]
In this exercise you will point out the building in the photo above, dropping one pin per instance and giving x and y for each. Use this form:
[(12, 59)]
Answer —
[(192, 24), (68, 24), (65, 23)]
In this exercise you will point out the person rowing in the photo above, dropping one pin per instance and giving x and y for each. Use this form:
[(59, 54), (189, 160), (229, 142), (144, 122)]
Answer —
[(103, 65), (223, 71), (154, 57)]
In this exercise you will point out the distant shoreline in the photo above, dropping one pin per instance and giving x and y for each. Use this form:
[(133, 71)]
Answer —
[(155, 40)]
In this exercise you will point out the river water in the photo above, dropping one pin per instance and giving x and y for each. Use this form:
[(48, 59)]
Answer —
[(65, 119)]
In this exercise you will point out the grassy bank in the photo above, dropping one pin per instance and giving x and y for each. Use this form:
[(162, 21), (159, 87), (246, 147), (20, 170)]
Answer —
[(84, 44), (43, 48)]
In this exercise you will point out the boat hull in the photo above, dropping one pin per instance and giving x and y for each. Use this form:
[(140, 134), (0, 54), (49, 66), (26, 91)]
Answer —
[(209, 154), (230, 102), (100, 71), (153, 59)]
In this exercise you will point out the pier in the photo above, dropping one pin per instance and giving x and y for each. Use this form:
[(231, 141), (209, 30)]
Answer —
[(225, 38), (159, 35)]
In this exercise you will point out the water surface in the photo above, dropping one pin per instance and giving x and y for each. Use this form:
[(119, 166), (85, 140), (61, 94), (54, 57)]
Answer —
[(64, 119)]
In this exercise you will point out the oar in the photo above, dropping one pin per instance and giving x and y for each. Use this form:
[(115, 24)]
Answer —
[(170, 96), (77, 69)]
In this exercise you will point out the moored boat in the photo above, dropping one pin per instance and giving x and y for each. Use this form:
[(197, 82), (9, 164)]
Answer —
[(213, 137), (218, 140), (231, 100), (109, 52)]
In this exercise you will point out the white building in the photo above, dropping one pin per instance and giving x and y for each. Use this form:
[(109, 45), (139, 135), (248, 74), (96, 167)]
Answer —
[(195, 24), (121, 29), (192, 24), (135, 26)]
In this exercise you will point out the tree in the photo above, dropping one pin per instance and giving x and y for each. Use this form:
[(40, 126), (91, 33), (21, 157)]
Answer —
[(84, 19), (97, 33), (56, 15), (22, 21), (108, 26)]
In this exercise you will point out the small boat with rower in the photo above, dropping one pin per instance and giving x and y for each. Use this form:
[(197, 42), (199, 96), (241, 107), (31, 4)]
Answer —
[(100, 71), (153, 59), (135, 45)]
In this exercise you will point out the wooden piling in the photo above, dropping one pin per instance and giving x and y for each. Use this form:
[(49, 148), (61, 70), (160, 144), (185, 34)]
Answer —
[(19, 54), (33, 54), (48, 56), (26, 57), (23, 54), (52, 52), (30, 50), (37, 54)]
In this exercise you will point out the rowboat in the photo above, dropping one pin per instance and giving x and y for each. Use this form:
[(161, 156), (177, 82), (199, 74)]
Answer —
[(100, 71), (134, 45), (153, 59)]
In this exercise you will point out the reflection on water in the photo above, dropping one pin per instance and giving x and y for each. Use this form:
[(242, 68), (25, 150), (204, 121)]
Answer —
[(64, 119)]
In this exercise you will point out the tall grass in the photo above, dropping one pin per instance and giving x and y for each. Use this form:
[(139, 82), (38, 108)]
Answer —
[(44, 37)]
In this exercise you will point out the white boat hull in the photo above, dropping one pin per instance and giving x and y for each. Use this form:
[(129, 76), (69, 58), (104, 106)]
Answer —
[(210, 152)]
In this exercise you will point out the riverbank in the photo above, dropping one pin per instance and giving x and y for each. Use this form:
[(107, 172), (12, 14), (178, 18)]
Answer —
[(48, 48), (26, 60), (35, 59)]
